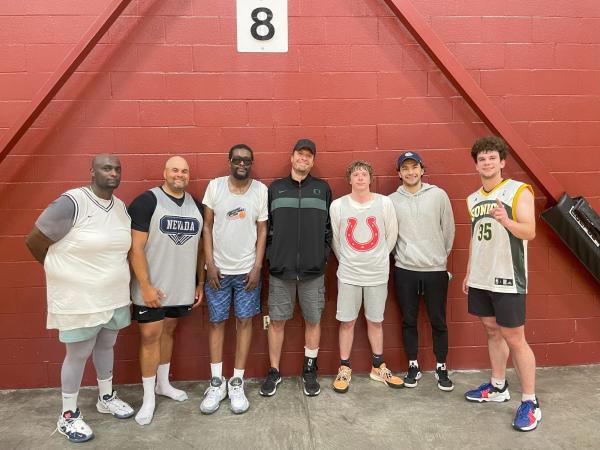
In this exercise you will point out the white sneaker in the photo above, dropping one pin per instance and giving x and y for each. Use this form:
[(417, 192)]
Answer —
[(71, 425), (111, 404), (239, 404), (214, 395)]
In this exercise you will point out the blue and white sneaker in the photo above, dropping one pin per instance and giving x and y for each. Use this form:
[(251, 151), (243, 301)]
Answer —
[(528, 416), (112, 404), (71, 425), (487, 392)]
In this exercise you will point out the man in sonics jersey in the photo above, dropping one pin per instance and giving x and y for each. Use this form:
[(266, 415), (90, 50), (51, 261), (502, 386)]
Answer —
[(502, 221)]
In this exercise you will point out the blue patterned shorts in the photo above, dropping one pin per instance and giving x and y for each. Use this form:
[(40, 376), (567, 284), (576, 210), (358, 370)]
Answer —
[(246, 303)]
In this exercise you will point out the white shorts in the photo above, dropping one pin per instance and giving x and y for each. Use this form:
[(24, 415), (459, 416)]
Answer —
[(350, 298)]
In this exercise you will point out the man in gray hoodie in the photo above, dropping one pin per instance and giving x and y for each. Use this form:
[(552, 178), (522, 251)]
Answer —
[(425, 237)]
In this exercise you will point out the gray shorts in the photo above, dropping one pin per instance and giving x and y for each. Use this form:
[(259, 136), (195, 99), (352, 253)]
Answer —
[(350, 298), (282, 298)]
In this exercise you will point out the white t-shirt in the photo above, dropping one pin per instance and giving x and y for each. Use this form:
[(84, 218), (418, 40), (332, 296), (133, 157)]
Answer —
[(234, 229)]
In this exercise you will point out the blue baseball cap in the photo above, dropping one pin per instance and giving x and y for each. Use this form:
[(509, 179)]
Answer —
[(408, 155)]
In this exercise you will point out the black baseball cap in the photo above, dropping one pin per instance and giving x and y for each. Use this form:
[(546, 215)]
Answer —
[(408, 155), (305, 144)]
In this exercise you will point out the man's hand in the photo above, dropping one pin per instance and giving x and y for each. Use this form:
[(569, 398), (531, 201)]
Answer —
[(152, 296), (465, 288), (199, 295), (213, 275), (499, 213), (252, 279)]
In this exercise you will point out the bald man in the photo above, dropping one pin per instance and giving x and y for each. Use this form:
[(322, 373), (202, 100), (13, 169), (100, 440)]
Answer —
[(168, 262), (82, 239)]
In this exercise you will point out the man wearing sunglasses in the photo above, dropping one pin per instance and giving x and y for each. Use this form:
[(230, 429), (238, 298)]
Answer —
[(235, 233)]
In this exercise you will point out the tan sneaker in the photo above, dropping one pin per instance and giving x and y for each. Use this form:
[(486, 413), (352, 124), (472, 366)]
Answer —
[(383, 374), (342, 381)]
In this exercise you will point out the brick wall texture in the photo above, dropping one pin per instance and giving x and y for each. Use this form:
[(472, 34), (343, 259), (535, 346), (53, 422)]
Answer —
[(166, 79)]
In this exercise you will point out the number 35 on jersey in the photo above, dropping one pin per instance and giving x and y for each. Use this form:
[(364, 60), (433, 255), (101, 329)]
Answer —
[(262, 26)]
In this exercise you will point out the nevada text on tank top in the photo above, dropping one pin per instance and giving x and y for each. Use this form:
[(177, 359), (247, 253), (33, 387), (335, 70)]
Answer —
[(498, 258), (172, 250)]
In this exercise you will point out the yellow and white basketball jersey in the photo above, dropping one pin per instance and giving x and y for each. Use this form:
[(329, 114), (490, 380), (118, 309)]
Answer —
[(498, 258)]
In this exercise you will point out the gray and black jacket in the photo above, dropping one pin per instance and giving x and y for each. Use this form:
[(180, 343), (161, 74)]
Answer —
[(299, 237)]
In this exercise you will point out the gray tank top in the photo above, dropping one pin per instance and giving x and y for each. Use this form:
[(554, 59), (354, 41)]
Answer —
[(172, 250)]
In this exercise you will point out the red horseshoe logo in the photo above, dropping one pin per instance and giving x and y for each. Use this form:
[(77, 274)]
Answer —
[(362, 246)]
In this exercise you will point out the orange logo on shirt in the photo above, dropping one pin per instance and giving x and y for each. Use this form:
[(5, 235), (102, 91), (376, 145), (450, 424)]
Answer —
[(236, 214)]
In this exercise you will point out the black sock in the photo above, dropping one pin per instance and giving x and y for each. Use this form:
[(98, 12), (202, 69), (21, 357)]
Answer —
[(310, 364), (345, 362), (377, 360)]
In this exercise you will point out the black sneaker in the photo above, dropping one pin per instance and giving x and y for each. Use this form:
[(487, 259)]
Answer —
[(309, 377), (444, 383), (269, 386), (413, 375), (312, 387)]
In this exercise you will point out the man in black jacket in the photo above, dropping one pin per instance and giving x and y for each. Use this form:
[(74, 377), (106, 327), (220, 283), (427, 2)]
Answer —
[(298, 245)]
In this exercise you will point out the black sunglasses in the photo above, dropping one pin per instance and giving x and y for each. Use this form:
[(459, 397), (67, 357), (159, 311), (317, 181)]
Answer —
[(237, 160)]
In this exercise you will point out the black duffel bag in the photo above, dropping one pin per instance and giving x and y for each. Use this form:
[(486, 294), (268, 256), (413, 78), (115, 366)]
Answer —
[(578, 225)]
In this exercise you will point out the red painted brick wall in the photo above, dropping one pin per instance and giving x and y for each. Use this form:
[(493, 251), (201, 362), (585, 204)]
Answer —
[(167, 79)]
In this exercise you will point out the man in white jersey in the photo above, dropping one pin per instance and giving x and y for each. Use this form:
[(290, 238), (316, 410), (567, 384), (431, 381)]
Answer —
[(167, 260), (502, 221), (82, 239), (235, 233), (364, 229)]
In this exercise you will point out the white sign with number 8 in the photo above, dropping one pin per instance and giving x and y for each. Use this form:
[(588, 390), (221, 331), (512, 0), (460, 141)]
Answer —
[(262, 26)]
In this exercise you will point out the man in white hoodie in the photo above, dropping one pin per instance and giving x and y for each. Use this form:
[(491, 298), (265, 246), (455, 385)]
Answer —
[(425, 237)]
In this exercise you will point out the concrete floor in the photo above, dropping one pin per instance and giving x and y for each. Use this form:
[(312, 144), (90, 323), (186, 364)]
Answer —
[(369, 416)]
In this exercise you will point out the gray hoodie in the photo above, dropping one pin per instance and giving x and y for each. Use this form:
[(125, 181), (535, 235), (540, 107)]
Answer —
[(425, 228)]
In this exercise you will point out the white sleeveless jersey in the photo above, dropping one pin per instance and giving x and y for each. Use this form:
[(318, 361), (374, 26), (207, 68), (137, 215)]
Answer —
[(364, 257), (87, 270), (172, 250), (498, 258)]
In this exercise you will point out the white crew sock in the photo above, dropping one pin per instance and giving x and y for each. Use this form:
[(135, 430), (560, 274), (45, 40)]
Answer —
[(146, 412), (527, 397), (163, 386), (69, 402), (311, 353), (216, 370), (440, 365), (105, 387), (498, 383), (239, 373), (413, 362)]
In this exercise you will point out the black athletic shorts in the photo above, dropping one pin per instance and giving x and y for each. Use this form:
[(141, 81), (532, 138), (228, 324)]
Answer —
[(509, 309), (143, 314)]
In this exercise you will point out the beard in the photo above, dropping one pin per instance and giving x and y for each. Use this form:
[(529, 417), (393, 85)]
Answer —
[(240, 176)]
